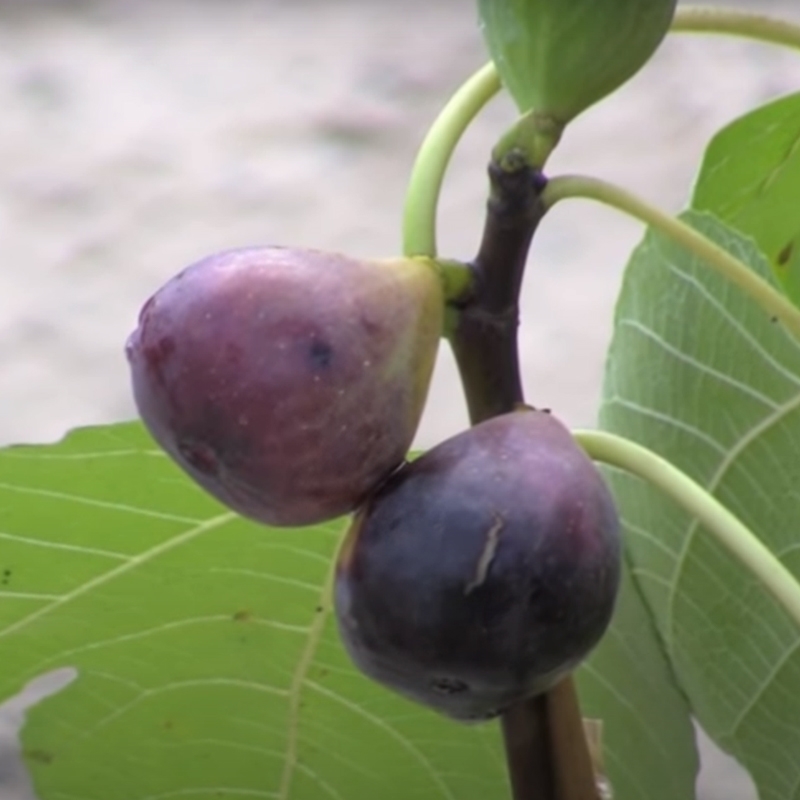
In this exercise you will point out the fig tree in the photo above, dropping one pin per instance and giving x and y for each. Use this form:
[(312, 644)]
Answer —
[(483, 572), (288, 382)]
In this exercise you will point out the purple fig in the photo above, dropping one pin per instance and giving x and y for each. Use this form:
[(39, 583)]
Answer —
[(483, 572), (288, 382)]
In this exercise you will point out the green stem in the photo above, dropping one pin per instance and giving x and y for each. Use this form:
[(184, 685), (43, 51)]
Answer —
[(534, 135), (736, 271), (739, 23), (422, 196), (734, 536)]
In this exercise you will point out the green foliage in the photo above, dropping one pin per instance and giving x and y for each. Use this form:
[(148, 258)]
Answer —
[(208, 663), (627, 683), (698, 373), (750, 178)]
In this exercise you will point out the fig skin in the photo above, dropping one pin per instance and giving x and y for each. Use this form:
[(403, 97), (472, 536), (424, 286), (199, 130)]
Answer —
[(288, 382), (483, 572)]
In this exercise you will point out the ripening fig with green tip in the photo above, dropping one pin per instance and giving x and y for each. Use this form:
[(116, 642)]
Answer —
[(288, 382), (483, 572), (558, 57)]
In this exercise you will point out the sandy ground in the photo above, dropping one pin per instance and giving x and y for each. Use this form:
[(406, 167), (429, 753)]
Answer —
[(139, 136)]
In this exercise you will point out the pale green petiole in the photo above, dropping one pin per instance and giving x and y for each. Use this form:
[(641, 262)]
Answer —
[(734, 536), (422, 196), (427, 176), (697, 19), (769, 298)]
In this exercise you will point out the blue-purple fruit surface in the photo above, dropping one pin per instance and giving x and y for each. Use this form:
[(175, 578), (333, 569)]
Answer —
[(483, 572)]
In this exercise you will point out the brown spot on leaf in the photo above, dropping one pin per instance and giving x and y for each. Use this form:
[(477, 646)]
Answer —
[(242, 616), (39, 756), (785, 255)]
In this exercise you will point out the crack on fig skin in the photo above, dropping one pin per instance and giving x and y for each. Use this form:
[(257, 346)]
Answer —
[(487, 555)]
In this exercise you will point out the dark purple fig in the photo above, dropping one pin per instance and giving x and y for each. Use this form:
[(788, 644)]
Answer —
[(483, 572), (287, 382)]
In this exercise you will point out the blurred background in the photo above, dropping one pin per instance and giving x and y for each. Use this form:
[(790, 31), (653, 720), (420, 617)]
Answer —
[(138, 136)]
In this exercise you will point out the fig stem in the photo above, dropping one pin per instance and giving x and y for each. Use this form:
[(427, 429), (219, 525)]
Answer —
[(537, 135), (573, 765), (697, 19), (427, 174), (736, 271), (728, 530), (526, 739), (483, 335), (546, 749)]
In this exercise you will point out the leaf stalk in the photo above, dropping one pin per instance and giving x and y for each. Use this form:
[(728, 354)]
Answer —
[(699, 19), (726, 528), (427, 174), (770, 299)]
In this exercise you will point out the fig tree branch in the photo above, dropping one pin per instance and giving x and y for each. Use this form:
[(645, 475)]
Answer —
[(546, 750), (484, 337)]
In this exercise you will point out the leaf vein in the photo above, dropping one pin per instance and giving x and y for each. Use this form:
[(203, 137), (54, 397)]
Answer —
[(122, 569)]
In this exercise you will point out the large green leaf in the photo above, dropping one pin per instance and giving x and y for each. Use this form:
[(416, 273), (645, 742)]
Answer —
[(208, 664), (703, 376), (750, 179), (649, 740)]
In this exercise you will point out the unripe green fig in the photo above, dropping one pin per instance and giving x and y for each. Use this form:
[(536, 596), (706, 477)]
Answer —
[(483, 572), (288, 382), (558, 57)]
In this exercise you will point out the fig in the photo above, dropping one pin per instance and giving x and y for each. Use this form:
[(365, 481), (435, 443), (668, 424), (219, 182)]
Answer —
[(557, 58), (483, 572), (288, 382)]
